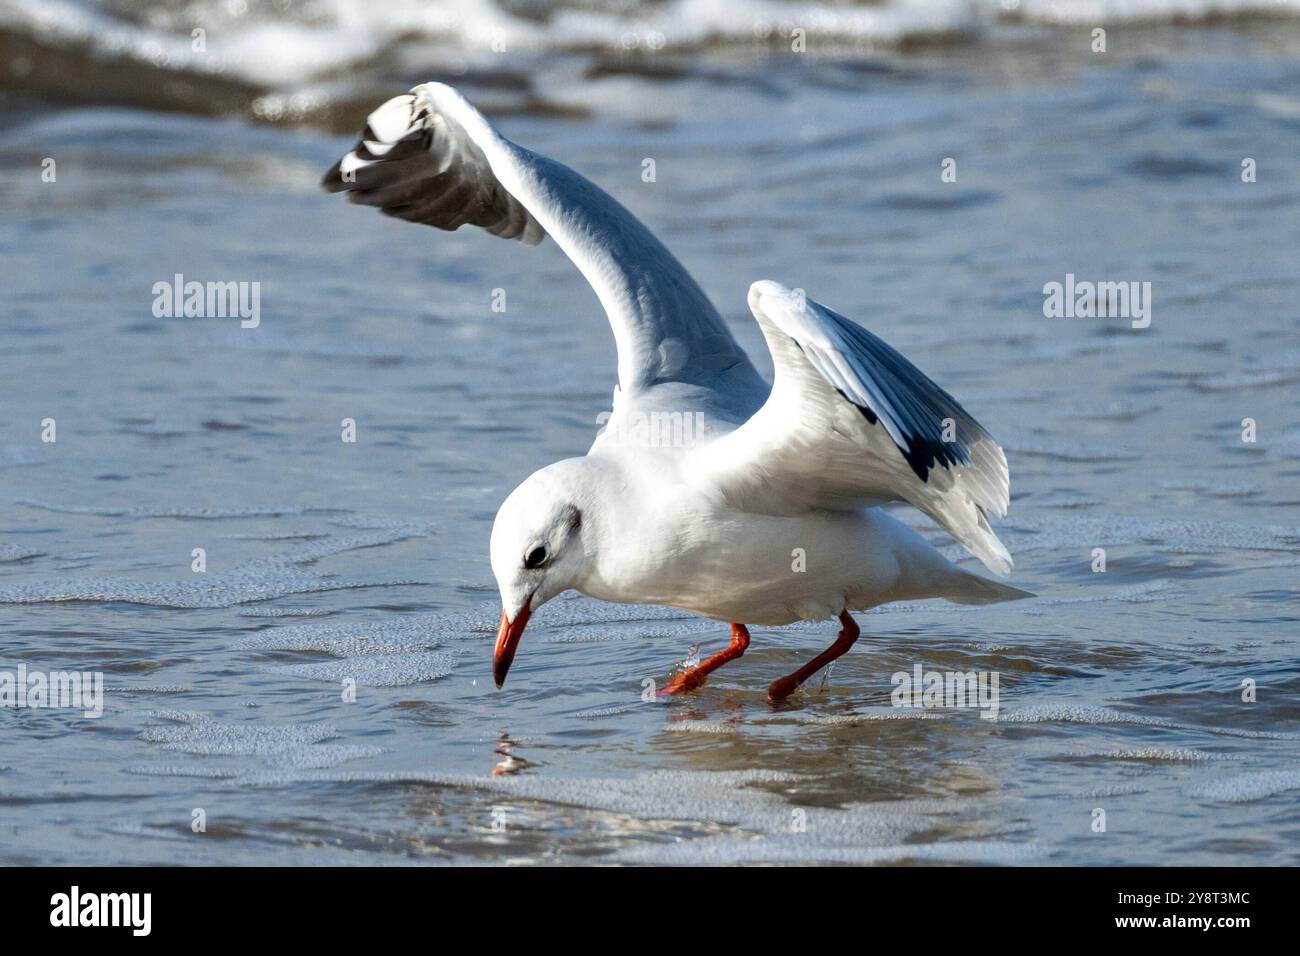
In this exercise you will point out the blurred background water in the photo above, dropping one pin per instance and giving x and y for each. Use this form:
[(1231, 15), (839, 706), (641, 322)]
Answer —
[(329, 561)]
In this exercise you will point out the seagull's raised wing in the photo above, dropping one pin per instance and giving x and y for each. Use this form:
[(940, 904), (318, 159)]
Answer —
[(850, 422), (431, 157)]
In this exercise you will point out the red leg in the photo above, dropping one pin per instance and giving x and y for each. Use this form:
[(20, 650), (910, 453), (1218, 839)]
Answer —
[(786, 686), (693, 678)]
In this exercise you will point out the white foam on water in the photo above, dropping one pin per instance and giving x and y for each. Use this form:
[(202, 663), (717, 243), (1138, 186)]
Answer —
[(1078, 714), (1106, 12), (173, 770), (291, 47), (701, 727), (390, 635), (266, 53), (1118, 790), (1153, 754), (573, 610), (274, 612), (382, 670), (392, 652), (172, 714), (157, 689), (283, 746), (1099, 716), (214, 736), (600, 712), (1247, 788), (872, 717), (589, 637)]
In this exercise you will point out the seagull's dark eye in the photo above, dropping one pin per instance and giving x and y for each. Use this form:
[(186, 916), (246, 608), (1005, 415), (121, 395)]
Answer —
[(535, 558)]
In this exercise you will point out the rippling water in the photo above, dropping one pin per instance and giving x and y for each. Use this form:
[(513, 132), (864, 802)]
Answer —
[(329, 561)]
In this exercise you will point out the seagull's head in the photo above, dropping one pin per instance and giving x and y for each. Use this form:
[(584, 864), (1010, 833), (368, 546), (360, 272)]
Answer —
[(538, 549)]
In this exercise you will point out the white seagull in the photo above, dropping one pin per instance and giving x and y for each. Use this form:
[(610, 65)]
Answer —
[(762, 505)]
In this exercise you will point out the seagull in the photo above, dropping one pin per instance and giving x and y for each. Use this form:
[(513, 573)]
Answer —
[(707, 490)]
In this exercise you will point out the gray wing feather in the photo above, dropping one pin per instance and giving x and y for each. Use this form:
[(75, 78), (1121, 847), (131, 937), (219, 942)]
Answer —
[(430, 157), (850, 422), (885, 386), (416, 166)]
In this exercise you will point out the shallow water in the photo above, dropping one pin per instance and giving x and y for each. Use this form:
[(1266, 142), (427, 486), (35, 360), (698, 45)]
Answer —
[(326, 561)]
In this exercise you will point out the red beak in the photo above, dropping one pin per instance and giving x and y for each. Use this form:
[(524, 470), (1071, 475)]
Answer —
[(508, 635)]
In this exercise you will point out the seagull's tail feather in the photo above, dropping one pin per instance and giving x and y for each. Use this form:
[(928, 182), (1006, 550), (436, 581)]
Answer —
[(967, 588)]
